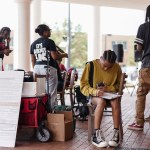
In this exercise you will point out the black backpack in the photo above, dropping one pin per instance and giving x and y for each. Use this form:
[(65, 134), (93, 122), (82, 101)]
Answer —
[(91, 72), (82, 99)]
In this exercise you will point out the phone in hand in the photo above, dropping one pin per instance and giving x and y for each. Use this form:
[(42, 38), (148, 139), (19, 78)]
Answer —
[(100, 84), (10, 51)]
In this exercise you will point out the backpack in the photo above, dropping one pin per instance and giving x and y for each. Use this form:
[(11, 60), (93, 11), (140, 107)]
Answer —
[(81, 99), (83, 110), (91, 72)]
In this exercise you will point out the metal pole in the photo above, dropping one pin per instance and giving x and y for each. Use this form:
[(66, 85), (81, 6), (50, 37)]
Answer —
[(105, 41), (106, 38), (68, 39)]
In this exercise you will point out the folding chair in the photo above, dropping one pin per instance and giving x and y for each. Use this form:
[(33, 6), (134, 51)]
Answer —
[(41, 83), (71, 88), (131, 85), (61, 94)]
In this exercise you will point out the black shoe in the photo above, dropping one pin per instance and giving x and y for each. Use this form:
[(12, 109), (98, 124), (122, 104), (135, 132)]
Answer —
[(98, 139), (114, 142)]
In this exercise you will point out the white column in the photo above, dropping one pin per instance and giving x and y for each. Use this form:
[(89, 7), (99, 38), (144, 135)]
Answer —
[(22, 36), (35, 18), (94, 36)]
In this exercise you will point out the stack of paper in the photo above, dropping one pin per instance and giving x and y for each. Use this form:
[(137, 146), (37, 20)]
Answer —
[(109, 96)]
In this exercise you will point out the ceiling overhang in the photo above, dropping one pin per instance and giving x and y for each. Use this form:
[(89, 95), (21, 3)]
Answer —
[(130, 4)]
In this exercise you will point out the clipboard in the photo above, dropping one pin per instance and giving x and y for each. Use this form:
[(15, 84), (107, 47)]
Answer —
[(110, 96)]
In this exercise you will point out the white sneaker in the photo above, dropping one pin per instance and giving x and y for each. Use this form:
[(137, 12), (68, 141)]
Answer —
[(98, 139), (114, 142)]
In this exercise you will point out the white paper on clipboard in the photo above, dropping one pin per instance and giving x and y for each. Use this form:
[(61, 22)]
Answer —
[(109, 96)]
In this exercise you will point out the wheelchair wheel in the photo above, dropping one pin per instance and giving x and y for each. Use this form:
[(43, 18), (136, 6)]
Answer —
[(43, 135)]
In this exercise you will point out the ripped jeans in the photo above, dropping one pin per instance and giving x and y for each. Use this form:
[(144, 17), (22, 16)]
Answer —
[(53, 81)]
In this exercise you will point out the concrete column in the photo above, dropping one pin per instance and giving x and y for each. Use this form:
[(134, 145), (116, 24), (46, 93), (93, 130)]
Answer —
[(22, 36), (35, 18), (94, 36)]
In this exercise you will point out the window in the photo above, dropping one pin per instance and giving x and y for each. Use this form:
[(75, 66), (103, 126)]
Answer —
[(124, 45)]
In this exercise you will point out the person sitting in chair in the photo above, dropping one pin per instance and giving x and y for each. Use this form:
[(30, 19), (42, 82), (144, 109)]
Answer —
[(108, 72)]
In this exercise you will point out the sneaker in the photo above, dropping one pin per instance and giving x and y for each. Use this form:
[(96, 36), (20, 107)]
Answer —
[(114, 142), (135, 126), (98, 139)]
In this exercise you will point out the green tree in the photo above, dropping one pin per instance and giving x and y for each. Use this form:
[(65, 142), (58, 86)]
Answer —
[(78, 49)]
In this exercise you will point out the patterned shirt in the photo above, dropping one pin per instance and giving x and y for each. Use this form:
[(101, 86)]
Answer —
[(41, 49)]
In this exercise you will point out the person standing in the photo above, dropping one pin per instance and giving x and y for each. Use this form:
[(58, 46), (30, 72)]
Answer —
[(43, 50), (143, 44), (4, 44)]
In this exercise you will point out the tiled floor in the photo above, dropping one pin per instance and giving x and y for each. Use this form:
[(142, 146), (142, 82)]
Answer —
[(131, 139)]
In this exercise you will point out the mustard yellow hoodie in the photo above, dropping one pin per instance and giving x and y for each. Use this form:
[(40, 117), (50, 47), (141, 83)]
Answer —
[(110, 77)]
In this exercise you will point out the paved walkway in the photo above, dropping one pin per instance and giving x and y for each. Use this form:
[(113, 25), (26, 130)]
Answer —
[(132, 139)]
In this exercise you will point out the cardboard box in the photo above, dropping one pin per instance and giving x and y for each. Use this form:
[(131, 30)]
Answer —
[(60, 125), (29, 89), (32, 89)]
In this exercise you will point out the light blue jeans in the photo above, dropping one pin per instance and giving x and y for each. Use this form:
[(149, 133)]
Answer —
[(53, 81)]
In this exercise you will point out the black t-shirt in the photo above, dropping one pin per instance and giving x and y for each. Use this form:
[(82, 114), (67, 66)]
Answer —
[(41, 49), (143, 38)]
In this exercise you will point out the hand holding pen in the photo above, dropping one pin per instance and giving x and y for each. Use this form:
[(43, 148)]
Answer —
[(100, 88)]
